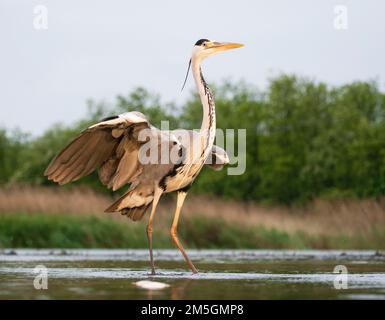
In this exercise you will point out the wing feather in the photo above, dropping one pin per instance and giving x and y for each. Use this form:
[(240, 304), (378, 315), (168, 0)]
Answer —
[(65, 155), (79, 158), (112, 147), (127, 165), (106, 145)]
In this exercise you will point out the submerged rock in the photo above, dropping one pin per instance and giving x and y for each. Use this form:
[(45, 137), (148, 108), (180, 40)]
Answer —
[(380, 253), (11, 253)]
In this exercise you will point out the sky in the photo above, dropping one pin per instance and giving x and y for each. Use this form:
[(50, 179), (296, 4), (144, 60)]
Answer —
[(98, 49)]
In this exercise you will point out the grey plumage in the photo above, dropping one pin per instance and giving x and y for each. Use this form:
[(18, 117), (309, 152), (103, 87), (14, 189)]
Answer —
[(112, 147), (117, 148)]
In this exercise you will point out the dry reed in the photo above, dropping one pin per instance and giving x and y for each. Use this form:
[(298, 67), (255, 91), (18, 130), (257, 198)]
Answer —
[(321, 217)]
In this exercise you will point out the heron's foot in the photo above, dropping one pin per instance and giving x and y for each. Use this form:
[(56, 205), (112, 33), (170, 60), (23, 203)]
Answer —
[(193, 269), (152, 265)]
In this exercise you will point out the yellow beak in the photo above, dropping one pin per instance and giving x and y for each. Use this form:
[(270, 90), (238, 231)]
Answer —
[(221, 46), (227, 45)]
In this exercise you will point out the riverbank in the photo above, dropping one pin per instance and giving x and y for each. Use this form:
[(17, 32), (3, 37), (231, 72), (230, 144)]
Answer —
[(79, 231), (37, 217)]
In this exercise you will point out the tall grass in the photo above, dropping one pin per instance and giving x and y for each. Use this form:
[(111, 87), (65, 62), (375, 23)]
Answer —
[(56, 217), (84, 231)]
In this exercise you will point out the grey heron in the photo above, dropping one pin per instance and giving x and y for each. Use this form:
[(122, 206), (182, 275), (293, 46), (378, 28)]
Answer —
[(114, 147)]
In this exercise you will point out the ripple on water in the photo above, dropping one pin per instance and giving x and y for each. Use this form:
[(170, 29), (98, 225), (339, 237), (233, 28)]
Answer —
[(224, 273), (367, 280), (174, 255)]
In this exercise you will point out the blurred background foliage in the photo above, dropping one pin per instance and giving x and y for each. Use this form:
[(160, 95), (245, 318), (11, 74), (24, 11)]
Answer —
[(305, 139)]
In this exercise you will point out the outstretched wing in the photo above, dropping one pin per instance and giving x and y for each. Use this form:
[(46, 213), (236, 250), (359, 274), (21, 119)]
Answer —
[(217, 158), (111, 145)]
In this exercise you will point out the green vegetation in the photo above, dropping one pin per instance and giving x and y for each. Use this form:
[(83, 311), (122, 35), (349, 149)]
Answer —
[(70, 231), (304, 140)]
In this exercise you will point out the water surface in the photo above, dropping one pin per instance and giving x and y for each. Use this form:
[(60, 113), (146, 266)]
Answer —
[(224, 274)]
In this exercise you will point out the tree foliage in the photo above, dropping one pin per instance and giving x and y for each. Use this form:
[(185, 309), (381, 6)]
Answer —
[(304, 139)]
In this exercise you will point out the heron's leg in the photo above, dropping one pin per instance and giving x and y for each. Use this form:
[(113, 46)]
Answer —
[(157, 194), (179, 204)]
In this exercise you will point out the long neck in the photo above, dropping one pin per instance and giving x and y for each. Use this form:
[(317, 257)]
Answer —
[(208, 126)]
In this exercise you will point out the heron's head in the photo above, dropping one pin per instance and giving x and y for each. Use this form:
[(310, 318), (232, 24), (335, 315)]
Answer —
[(204, 48)]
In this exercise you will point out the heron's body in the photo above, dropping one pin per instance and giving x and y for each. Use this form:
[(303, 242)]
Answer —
[(127, 149)]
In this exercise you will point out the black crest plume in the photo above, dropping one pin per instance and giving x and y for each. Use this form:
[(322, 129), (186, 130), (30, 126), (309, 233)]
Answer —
[(185, 79)]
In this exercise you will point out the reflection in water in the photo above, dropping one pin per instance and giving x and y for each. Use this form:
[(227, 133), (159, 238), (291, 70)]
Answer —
[(151, 286), (180, 289), (177, 291), (227, 274)]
